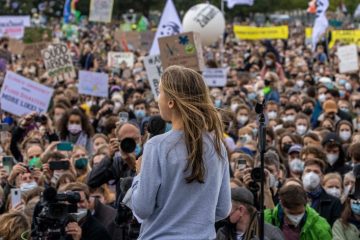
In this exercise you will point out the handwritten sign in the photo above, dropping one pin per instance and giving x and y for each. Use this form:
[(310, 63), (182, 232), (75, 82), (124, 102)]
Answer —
[(93, 84), (13, 26), (182, 49), (20, 95), (58, 62), (101, 10), (154, 70), (215, 77), (348, 58), (115, 59)]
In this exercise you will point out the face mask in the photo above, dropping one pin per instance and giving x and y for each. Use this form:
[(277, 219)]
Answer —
[(140, 114), (74, 128), (138, 150), (342, 93), (290, 118), (301, 129), (355, 207), (300, 83), (308, 111), (251, 96), (287, 147), (348, 86), (295, 219), (344, 109), (296, 165), (269, 62), (311, 181), (255, 131), (347, 190), (242, 119), (245, 138), (24, 187), (345, 135), (79, 215), (333, 192), (322, 98), (273, 182), (342, 82), (234, 107), (218, 103), (331, 158), (272, 115), (267, 82), (35, 162), (57, 118), (81, 163)]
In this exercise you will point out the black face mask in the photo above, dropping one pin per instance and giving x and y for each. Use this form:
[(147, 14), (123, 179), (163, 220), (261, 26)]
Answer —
[(267, 82), (308, 111), (286, 148)]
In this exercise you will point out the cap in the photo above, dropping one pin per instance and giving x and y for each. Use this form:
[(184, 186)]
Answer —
[(295, 148), (243, 195), (330, 106), (331, 138)]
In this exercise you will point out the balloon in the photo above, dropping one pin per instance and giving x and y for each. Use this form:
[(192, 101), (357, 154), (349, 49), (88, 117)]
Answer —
[(205, 19)]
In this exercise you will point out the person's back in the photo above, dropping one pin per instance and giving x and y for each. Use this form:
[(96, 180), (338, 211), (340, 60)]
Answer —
[(181, 208)]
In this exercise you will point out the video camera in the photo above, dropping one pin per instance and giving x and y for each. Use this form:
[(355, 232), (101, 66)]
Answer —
[(53, 213)]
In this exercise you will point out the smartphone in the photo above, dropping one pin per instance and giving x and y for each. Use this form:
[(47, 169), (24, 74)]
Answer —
[(8, 162), (15, 196), (4, 127), (241, 164), (65, 146), (59, 165), (124, 117)]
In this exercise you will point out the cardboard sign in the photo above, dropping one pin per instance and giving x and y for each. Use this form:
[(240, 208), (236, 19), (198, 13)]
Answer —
[(14, 26), (33, 51), (16, 46), (182, 49), (20, 95), (154, 70), (348, 58), (215, 77), (58, 62), (135, 40), (93, 84), (115, 59), (101, 10)]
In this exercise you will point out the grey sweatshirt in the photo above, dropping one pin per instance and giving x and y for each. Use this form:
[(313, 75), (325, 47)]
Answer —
[(172, 208)]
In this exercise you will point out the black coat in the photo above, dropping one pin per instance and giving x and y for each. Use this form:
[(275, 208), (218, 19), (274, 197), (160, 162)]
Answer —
[(92, 229), (329, 207)]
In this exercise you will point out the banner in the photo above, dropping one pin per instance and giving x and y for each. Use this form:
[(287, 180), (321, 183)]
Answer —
[(33, 51), (321, 23), (154, 70), (93, 84), (21, 96), (348, 59), (215, 77), (101, 10), (13, 26), (169, 24), (183, 49), (115, 59), (58, 62), (344, 36), (259, 33), (232, 3)]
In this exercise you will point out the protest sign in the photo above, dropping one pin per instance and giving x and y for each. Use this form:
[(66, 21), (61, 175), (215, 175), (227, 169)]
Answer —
[(115, 59), (182, 49), (259, 33), (33, 51), (93, 84), (20, 95), (16, 46), (58, 62), (348, 58), (13, 26), (154, 70), (135, 40), (101, 10), (215, 77), (344, 36)]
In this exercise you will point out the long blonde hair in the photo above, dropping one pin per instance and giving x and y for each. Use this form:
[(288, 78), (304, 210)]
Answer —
[(13, 225), (192, 100)]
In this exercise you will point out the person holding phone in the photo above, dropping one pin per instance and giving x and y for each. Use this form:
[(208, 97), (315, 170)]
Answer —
[(183, 181)]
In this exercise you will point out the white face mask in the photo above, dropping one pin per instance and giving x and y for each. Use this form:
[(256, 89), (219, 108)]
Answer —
[(79, 215), (347, 190), (234, 107), (310, 181), (296, 165), (245, 138), (289, 118), (74, 128), (333, 192), (24, 187), (300, 83), (332, 158), (273, 182), (242, 119), (295, 219), (272, 115), (301, 129), (322, 98), (345, 135)]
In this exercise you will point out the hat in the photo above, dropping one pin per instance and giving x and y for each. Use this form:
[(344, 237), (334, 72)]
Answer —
[(331, 138), (243, 195), (330, 106), (295, 148)]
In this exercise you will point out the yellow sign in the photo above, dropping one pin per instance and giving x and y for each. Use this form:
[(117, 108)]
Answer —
[(345, 36), (308, 33), (259, 33)]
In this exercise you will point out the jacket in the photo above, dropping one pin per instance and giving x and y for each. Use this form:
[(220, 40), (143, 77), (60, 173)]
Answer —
[(93, 229), (329, 207), (314, 227), (345, 232)]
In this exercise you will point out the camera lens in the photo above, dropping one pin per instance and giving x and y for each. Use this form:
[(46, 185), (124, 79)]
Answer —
[(256, 174), (128, 145)]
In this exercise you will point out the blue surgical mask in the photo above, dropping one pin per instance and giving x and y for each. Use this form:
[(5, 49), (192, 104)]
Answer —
[(138, 150), (140, 114), (218, 103), (252, 96), (355, 207), (168, 127)]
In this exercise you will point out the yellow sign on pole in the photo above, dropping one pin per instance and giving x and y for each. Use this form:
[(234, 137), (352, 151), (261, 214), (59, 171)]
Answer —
[(345, 36), (259, 33)]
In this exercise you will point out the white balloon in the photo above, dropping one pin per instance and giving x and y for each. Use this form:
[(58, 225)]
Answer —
[(205, 19)]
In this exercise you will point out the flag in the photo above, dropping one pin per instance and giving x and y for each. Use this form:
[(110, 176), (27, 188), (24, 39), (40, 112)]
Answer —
[(67, 11), (142, 25), (75, 13), (321, 22), (169, 24), (357, 12), (232, 3)]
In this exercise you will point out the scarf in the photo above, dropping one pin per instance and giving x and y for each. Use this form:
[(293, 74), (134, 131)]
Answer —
[(315, 196)]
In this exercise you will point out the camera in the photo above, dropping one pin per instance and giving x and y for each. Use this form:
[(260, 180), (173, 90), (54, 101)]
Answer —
[(53, 213), (42, 119), (256, 174), (128, 145)]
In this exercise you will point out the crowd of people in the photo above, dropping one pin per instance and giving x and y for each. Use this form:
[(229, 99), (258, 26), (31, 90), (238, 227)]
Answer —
[(92, 146)]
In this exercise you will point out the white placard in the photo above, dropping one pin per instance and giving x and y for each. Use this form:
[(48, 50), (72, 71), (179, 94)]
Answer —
[(20, 95), (93, 84), (348, 58), (215, 77), (14, 26), (115, 59), (154, 70), (101, 10)]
